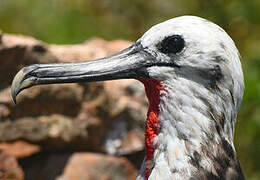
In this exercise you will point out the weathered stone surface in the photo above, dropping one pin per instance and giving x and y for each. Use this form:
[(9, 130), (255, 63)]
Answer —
[(17, 51), (100, 117), (19, 149), (9, 168), (45, 165), (105, 116), (127, 109), (65, 164), (90, 166), (45, 100)]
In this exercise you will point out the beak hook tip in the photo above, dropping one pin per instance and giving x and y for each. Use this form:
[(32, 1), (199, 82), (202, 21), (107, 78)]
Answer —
[(17, 84), (14, 97)]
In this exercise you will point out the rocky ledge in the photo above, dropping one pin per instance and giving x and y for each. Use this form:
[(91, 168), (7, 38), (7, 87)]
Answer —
[(41, 136)]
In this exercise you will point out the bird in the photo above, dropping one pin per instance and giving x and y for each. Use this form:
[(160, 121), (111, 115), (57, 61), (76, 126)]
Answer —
[(193, 79)]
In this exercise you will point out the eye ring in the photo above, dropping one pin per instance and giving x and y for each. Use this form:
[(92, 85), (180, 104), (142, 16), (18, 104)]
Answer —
[(172, 44)]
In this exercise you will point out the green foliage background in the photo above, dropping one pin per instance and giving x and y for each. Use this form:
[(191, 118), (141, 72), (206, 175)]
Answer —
[(74, 21)]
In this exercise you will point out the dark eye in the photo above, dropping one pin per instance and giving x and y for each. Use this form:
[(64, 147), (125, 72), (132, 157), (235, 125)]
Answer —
[(172, 44)]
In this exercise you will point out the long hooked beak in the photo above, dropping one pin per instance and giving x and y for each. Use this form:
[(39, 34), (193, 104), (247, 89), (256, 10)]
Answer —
[(129, 63)]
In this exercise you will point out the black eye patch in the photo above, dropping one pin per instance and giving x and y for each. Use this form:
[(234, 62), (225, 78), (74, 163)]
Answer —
[(172, 44)]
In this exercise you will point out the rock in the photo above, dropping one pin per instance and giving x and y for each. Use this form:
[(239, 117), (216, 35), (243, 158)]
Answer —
[(104, 116), (90, 166), (45, 165), (19, 149), (54, 131), (50, 122), (9, 168), (122, 116), (92, 49), (128, 111), (66, 164), (57, 99), (17, 51)]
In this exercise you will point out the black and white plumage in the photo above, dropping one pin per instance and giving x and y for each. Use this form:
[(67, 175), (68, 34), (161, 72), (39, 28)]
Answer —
[(202, 88)]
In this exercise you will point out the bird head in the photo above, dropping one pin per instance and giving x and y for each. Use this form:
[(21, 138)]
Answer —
[(183, 49), (197, 66)]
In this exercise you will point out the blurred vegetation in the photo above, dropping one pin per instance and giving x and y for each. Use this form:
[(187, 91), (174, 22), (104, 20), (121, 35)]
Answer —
[(74, 21)]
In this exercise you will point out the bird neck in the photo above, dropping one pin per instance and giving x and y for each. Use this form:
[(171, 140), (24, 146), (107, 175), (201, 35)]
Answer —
[(153, 89), (183, 137)]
